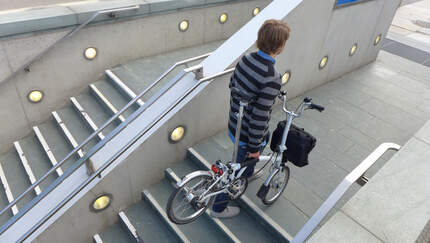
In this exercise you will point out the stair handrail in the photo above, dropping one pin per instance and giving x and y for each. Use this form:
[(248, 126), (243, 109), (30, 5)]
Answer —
[(340, 190), (98, 172), (26, 66), (86, 141)]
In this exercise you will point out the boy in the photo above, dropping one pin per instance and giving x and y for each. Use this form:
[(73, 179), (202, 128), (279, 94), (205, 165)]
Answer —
[(255, 75)]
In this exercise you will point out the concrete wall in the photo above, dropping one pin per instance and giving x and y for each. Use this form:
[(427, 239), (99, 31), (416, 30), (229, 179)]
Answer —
[(317, 31), (64, 71)]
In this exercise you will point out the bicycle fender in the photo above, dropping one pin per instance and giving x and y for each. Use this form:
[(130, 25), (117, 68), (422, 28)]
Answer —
[(192, 175)]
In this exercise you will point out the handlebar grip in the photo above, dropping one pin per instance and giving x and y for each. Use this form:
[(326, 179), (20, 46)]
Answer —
[(317, 107), (249, 162)]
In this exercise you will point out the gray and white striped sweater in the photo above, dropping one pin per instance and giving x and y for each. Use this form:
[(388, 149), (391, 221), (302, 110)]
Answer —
[(257, 77)]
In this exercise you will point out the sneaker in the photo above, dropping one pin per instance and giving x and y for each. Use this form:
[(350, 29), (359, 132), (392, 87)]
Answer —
[(228, 212)]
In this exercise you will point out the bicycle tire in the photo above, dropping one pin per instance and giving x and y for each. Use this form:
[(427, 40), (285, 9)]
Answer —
[(270, 200), (170, 203)]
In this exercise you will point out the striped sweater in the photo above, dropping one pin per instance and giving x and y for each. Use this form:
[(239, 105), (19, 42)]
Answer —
[(255, 75)]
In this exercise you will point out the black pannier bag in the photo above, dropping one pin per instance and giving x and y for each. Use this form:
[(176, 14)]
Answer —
[(299, 144)]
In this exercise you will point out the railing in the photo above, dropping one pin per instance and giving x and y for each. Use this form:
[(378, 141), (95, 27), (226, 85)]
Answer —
[(111, 160), (86, 141), (334, 197), (26, 66)]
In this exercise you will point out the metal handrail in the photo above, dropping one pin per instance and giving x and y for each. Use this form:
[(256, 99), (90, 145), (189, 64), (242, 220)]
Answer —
[(340, 190), (112, 159), (72, 32), (94, 134)]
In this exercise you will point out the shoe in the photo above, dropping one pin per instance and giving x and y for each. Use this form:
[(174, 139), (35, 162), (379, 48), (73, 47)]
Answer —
[(229, 211)]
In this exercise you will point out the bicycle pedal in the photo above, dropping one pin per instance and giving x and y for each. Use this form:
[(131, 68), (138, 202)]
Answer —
[(262, 192)]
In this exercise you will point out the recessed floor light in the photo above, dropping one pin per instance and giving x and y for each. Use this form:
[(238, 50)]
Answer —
[(35, 96), (183, 25), (90, 53), (323, 62)]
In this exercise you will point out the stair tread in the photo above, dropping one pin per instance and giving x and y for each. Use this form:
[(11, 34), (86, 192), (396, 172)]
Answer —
[(194, 231), (148, 224), (95, 111), (240, 225), (16, 176), (114, 96), (37, 159), (139, 74), (56, 141), (76, 126), (115, 234)]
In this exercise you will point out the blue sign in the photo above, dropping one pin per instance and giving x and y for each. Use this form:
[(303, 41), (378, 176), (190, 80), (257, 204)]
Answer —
[(340, 3)]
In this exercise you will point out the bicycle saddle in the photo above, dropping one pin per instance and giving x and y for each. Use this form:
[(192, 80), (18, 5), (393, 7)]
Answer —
[(242, 96)]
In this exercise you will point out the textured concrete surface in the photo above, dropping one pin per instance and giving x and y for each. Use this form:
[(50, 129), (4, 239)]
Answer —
[(53, 74)]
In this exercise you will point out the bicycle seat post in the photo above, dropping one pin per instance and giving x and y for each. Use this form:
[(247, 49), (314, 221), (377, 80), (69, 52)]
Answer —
[(238, 128)]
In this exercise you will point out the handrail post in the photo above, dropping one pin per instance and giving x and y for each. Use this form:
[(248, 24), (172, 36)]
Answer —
[(340, 190)]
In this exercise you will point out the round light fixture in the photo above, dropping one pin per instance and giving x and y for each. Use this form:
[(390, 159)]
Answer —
[(286, 77), (90, 53), (35, 96), (323, 62), (255, 11), (377, 39), (101, 202), (223, 18), (177, 134), (183, 25), (353, 50)]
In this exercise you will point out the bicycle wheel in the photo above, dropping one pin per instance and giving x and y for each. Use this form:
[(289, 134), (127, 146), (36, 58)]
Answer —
[(277, 185), (183, 205)]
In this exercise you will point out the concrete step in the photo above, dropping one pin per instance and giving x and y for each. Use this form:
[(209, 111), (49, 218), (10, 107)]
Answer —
[(6, 196), (54, 137), (148, 224), (16, 176), (115, 234), (26, 165), (37, 158), (97, 112), (114, 96), (47, 149), (139, 74), (86, 117), (244, 226), (203, 227), (105, 103), (171, 175), (122, 87), (129, 227)]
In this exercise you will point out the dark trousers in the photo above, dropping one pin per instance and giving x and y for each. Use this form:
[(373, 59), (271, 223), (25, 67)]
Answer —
[(222, 199)]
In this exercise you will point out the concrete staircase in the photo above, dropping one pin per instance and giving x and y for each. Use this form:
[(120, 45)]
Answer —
[(148, 222), (31, 157)]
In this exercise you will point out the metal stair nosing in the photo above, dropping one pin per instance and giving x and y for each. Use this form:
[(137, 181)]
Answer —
[(67, 133), (270, 225), (48, 151), (26, 165), (171, 175), (131, 230), (123, 88), (160, 211), (7, 190), (105, 102), (86, 117), (97, 238)]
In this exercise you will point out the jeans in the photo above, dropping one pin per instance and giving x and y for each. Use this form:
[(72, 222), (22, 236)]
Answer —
[(222, 199)]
